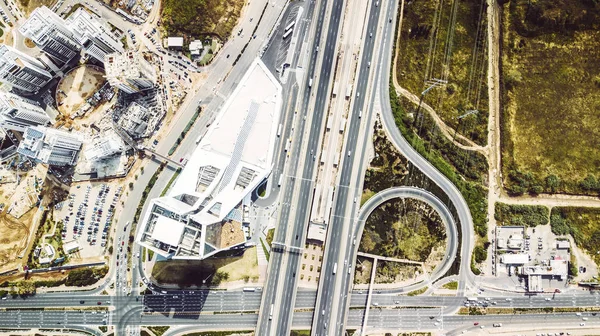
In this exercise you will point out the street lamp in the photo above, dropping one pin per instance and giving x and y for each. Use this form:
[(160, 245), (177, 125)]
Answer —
[(434, 83), (460, 118)]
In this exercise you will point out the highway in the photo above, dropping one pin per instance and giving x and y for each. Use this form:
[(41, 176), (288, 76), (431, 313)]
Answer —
[(345, 191), (276, 286)]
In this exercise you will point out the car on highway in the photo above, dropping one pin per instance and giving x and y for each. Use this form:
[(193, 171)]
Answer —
[(82, 302), (476, 323)]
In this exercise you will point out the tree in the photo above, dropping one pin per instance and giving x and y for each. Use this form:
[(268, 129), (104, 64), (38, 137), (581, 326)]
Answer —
[(589, 183), (110, 249), (130, 185), (553, 182)]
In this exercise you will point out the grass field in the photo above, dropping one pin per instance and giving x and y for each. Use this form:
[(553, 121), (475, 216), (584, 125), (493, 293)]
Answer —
[(582, 224), (429, 49), (214, 270), (403, 228), (196, 18), (551, 97)]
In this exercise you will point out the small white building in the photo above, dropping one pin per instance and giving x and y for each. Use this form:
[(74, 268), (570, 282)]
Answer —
[(514, 259), (70, 247), (175, 42), (563, 244), (196, 48)]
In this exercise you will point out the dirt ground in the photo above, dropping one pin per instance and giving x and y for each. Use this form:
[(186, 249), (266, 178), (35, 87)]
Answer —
[(78, 85), (362, 271), (29, 5), (13, 238)]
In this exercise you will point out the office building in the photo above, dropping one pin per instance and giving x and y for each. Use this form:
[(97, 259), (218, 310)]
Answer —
[(104, 147), (18, 113), (129, 72), (203, 214), (50, 146), (50, 33), (93, 35), (21, 71)]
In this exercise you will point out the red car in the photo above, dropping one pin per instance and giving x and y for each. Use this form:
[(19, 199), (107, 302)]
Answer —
[(99, 303), (476, 323)]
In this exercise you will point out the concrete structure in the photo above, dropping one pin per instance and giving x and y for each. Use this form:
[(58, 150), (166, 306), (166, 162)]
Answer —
[(93, 35), (202, 214), (50, 146), (175, 43), (135, 120), (554, 269), (50, 33), (563, 244), (18, 113), (129, 72), (21, 71), (103, 147)]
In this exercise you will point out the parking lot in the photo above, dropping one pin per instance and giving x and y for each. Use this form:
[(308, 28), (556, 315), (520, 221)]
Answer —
[(88, 214)]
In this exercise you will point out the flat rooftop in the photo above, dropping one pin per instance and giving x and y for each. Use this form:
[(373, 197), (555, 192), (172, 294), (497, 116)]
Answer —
[(236, 152), (201, 214)]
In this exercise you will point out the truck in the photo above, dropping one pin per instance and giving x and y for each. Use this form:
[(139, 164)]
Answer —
[(348, 91), (323, 155), (329, 123), (334, 268), (310, 82), (249, 289), (497, 325), (336, 159), (279, 130), (271, 313), (287, 145), (472, 299), (342, 125), (360, 113), (280, 180), (335, 89)]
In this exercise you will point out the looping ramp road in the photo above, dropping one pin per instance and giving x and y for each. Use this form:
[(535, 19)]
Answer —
[(423, 196)]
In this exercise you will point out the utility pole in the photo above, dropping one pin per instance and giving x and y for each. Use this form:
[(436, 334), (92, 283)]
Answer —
[(460, 118), (433, 83)]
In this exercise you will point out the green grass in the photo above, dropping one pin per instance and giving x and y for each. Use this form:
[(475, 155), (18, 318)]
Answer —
[(265, 249), (403, 228), (300, 333), (269, 237), (185, 131), (451, 285), (173, 178), (467, 76), (221, 333), (195, 18), (551, 96), (417, 292), (150, 255), (103, 329), (521, 215), (159, 330), (582, 224)]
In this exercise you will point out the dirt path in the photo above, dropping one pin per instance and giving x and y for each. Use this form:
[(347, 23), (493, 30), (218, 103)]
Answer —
[(446, 130)]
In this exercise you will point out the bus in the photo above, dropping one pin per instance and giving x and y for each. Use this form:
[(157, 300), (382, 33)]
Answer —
[(249, 289), (287, 145), (288, 27), (287, 33), (280, 180), (310, 82), (279, 130)]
